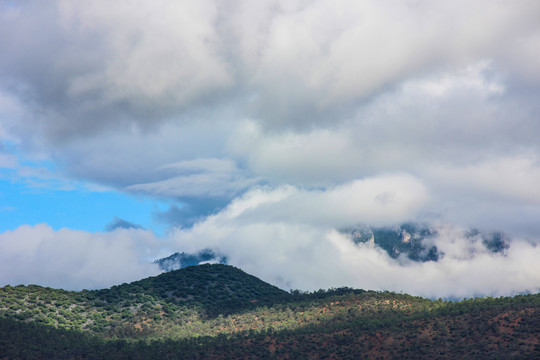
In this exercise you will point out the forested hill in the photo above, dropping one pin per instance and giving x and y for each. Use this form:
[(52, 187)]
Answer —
[(220, 312), (216, 289)]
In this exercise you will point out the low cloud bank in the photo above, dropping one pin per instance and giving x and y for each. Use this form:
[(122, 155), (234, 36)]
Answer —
[(75, 260), (292, 249), (289, 237)]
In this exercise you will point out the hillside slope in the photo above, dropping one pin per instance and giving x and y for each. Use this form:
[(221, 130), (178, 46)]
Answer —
[(174, 302), (217, 289), (217, 311)]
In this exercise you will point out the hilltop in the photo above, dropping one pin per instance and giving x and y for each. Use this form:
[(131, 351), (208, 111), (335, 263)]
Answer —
[(163, 303), (218, 311), (216, 289)]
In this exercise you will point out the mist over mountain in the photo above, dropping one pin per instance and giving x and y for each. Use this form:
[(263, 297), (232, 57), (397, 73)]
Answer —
[(416, 241), (181, 260)]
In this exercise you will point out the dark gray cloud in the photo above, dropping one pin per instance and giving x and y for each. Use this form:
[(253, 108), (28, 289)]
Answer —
[(190, 211), (90, 67)]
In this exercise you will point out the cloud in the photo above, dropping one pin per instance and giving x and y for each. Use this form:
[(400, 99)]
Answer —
[(7, 161), (467, 269), (512, 178), (120, 62), (189, 211), (216, 178), (310, 256), (317, 158), (387, 199), (288, 65), (74, 260), (312, 93)]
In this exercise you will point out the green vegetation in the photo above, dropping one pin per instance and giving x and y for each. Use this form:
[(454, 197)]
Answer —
[(218, 311)]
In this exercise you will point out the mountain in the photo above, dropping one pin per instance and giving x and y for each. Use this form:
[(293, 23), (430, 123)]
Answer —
[(220, 312), (216, 288), (176, 301), (416, 240), (181, 260)]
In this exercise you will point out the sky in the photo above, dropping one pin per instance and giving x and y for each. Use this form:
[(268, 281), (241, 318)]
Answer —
[(131, 130)]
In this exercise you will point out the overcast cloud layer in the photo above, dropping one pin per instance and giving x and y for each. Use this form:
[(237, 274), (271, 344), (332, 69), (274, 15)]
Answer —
[(269, 125)]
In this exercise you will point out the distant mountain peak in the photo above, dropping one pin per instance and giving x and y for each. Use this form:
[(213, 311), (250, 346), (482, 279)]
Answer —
[(181, 260), (415, 240)]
